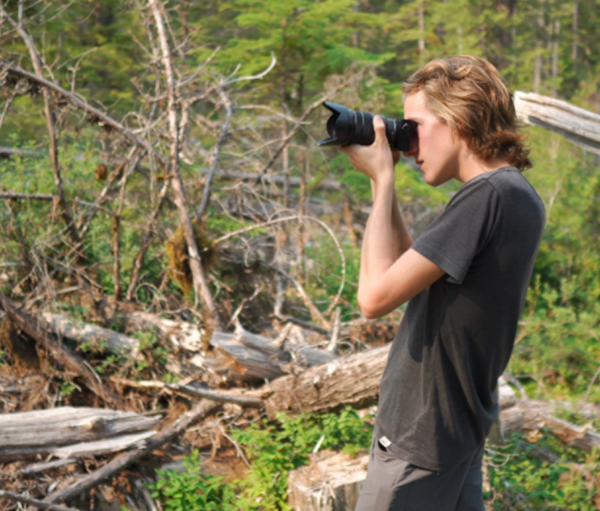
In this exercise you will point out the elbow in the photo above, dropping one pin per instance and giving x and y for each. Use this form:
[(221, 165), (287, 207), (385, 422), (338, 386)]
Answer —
[(369, 307)]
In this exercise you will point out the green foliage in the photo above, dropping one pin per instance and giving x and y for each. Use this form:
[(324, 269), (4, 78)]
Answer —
[(273, 449), (66, 389), (520, 479), (191, 490), (323, 275), (276, 448)]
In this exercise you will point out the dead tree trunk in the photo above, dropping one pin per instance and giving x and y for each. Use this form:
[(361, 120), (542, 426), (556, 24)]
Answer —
[(118, 464)]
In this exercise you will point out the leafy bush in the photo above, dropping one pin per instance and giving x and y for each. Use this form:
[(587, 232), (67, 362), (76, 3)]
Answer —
[(274, 449), (520, 479), (191, 490)]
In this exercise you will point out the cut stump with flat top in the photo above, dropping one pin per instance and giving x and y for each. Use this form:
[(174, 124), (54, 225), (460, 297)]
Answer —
[(332, 482)]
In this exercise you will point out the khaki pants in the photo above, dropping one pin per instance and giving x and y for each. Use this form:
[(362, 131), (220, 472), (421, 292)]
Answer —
[(396, 485)]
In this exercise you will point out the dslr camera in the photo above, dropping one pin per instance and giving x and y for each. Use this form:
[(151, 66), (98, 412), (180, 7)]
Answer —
[(346, 127)]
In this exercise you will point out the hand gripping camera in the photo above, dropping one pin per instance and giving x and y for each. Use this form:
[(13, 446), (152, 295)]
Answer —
[(346, 127)]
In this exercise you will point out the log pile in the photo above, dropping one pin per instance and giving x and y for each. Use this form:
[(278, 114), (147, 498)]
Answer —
[(284, 374)]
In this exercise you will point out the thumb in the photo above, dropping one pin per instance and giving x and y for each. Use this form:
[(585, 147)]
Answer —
[(379, 127)]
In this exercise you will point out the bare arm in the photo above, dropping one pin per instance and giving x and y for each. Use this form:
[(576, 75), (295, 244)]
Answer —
[(390, 272), (401, 238)]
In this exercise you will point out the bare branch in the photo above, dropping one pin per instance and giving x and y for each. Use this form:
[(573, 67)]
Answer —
[(254, 77), (94, 114), (215, 162)]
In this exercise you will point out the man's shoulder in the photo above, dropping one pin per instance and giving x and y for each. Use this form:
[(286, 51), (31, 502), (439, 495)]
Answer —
[(511, 185)]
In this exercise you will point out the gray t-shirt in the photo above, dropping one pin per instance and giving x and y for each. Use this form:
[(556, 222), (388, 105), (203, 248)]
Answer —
[(437, 399)]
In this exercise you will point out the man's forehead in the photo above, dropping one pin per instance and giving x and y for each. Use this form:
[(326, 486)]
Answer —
[(415, 106)]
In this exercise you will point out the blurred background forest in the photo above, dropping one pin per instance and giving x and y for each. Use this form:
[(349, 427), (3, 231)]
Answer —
[(250, 77)]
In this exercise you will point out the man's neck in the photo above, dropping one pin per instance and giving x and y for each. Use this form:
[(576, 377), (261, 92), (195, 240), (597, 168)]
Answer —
[(470, 167)]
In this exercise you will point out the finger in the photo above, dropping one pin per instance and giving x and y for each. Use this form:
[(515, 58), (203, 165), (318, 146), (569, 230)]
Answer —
[(379, 127)]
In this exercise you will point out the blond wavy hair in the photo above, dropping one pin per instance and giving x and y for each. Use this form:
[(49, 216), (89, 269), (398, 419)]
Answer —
[(468, 93)]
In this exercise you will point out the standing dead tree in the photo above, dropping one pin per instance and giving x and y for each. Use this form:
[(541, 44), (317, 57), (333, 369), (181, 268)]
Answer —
[(201, 289)]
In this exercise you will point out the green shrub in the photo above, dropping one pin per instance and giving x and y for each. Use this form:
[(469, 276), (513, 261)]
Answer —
[(191, 490), (520, 479)]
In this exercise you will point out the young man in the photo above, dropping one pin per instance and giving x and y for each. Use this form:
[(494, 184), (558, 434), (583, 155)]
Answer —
[(466, 278)]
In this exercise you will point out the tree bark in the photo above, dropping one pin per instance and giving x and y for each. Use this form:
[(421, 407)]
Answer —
[(98, 338), (349, 381)]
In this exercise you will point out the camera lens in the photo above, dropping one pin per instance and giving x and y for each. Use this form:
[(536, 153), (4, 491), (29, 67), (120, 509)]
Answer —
[(346, 127)]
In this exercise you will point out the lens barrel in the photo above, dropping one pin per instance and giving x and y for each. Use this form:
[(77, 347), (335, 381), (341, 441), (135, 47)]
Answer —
[(346, 127)]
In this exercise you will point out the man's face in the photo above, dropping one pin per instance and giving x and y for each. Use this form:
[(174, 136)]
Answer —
[(437, 151)]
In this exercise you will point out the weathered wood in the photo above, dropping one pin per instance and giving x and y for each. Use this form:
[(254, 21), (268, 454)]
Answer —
[(42, 467), (238, 356), (37, 328), (349, 381), (98, 338), (331, 483), (577, 125), (26, 434), (114, 467), (101, 447)]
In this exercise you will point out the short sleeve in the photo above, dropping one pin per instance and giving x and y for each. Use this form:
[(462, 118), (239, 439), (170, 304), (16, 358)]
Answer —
[(462, 230)]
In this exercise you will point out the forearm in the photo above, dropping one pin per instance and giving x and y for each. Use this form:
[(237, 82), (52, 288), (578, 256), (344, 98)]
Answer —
[(400, 238), (382, 239)]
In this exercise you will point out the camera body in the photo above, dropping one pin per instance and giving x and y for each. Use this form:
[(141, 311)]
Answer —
[(346, 127)]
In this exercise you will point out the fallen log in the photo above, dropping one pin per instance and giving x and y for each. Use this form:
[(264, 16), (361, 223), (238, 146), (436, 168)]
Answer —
[(96, 337), (537, 415), (25, 435), (114, 467), (577, 125), (349, 381), (238, 356), (101, 447), (38, 330)]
